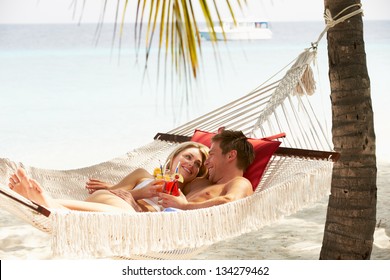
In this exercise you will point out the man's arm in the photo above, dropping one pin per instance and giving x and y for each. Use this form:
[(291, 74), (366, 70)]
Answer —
[(236, 189)]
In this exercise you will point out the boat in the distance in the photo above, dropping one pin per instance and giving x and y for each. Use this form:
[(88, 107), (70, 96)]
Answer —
[(245, 29)]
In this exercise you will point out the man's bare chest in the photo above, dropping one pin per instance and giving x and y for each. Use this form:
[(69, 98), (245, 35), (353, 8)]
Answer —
[(205, 193)]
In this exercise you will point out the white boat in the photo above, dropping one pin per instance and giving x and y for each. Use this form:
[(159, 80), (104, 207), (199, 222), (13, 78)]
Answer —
[(243, 30)]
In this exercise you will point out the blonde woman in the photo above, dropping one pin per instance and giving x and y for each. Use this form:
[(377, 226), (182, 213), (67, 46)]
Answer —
[(137, 192)]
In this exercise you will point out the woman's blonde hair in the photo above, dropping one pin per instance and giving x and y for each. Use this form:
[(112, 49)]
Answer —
[(204, 151)]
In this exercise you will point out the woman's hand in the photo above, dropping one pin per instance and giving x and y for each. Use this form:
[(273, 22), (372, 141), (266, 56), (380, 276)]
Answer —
[(94, 185), (150, 190), (168, 200)]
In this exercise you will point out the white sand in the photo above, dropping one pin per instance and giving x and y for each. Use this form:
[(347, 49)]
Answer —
[(297, 237)]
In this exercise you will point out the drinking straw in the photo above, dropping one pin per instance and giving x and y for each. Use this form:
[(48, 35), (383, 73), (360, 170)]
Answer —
[(161, 168), (177, 167)]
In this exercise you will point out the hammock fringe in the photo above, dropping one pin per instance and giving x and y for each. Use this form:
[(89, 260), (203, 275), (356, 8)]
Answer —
[(134, 235)]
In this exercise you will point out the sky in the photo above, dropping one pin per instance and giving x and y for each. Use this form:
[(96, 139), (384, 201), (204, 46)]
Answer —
[(68, 11)]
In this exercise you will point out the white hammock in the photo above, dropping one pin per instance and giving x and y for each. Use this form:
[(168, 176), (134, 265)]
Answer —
[(294, 178)]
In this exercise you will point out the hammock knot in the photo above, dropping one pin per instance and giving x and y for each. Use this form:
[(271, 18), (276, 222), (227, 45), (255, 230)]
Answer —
[(330, 21)]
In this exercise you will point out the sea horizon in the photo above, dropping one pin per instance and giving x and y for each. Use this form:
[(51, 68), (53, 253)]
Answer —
[(69, 101)]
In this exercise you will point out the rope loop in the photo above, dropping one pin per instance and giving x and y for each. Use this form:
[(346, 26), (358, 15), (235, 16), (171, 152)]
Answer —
[(332, 21), (314, 46)]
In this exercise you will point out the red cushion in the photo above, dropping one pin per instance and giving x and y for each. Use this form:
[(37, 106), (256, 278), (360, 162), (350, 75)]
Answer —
[(264, 149)]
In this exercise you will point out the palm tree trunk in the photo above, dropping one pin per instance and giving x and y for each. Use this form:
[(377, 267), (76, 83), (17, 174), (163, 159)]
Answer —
[(351, 213)]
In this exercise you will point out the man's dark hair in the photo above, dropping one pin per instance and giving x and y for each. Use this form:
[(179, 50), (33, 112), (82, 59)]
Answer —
[(236, 140)]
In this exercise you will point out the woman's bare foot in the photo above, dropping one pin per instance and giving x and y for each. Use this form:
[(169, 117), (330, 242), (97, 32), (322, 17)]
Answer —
[(29, 188), (19, 183)]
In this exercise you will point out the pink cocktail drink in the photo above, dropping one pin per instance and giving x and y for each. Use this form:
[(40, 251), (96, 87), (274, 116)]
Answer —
[(171, 187)]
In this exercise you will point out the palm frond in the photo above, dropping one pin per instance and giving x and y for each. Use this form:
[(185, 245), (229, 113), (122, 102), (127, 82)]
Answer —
[(175, 22), (179, 29)]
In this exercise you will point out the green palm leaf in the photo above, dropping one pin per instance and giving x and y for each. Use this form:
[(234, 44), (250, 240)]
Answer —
[(179, 30), (177, 26)]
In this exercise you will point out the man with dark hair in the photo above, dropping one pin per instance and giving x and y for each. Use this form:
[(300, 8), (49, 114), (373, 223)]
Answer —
[(230, 141), (230, 154)]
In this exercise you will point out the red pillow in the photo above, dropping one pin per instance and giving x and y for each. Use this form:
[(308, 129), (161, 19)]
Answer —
[(264, 149)]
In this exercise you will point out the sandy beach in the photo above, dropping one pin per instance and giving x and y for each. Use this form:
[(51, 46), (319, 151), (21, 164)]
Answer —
[(297, 237)]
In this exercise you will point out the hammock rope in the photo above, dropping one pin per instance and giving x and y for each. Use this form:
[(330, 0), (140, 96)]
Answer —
[(333, 21), (290, 182)]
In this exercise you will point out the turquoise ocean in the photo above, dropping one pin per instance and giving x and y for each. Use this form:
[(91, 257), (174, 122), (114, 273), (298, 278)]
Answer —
[(70, 98)]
